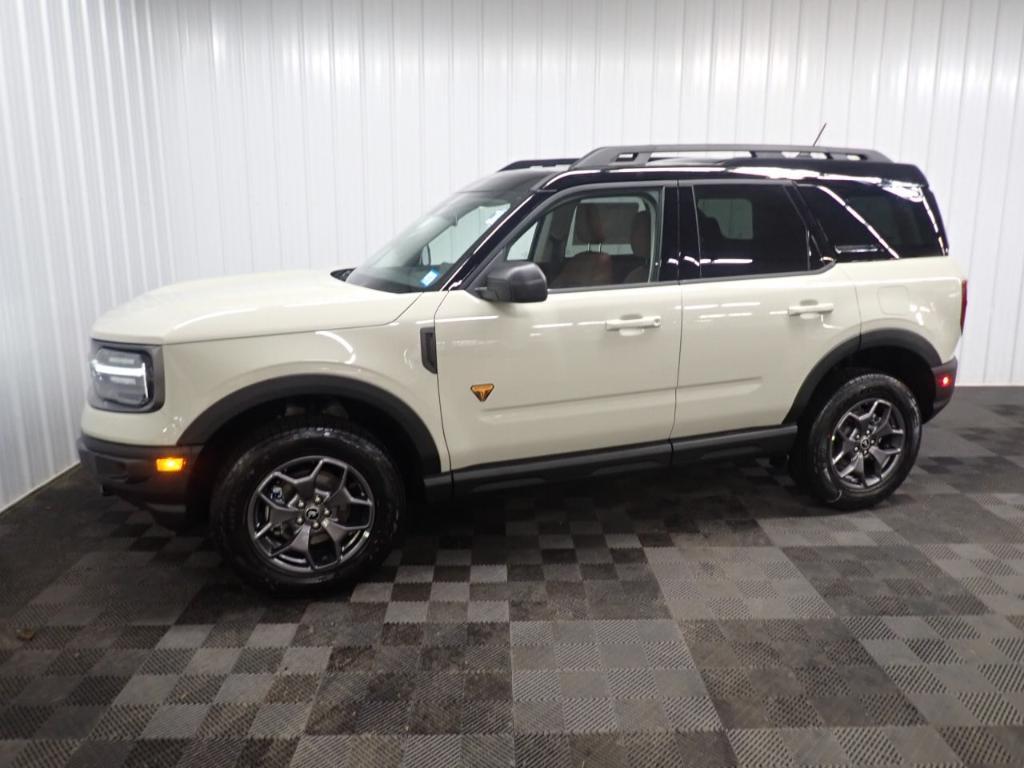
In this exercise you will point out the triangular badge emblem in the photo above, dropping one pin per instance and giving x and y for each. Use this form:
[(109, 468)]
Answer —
[(482, 391)]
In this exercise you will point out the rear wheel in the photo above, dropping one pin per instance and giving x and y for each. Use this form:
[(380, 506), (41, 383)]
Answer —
[(307, 504), (861, 444)]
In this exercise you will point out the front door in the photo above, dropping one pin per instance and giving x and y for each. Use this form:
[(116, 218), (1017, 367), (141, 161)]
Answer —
[(594, 365)]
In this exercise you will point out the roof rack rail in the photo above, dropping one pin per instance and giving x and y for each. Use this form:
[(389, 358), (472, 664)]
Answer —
[(549, 162), (639, 155)]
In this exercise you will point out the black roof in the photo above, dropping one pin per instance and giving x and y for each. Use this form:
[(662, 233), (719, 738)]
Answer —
[(657, 162)]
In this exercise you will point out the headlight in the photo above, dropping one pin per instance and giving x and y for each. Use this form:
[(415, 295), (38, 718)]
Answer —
[(125, 378)]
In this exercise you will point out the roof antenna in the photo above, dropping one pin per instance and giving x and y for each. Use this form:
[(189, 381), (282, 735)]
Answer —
[(823, 127)]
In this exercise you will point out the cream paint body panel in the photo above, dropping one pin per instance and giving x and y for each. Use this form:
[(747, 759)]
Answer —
[(920, 295), (198, 374), (562, 381), (744, 356), (262, 304)]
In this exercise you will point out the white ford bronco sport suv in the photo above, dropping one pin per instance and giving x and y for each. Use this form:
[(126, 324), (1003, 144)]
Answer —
[(643, 306)]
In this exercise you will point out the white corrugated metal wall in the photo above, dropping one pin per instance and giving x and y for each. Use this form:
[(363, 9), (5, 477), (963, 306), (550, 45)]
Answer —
[(144, 141)]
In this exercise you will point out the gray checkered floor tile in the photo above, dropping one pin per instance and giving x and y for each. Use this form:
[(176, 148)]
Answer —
[(711, 618)]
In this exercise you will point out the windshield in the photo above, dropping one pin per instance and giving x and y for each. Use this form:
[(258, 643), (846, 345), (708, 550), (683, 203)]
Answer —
[(427, 250)]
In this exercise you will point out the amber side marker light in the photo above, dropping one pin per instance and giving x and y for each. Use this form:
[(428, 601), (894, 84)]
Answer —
[(170, 464)]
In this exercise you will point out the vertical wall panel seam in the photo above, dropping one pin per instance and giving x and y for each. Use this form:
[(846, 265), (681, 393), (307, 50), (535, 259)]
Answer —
[(133, 175), (243, 85), (654, 66), (303, 133), (336, 212), (824, 63), (712, 71), (97, 147), (169, 239), (769, 70), (906, 75), (935, 85), (740, 59), (79, 153), (948, 213), (964, 344), (878, 88), (116, 155), (180, 30), (796, 66), (21, 246), (420, 104), (147, 153), (853, 70), (681, 69), (68, 277), (44, 228), (1002, 219), (362, 102)]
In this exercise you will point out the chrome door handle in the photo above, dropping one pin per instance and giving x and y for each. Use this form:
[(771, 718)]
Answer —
[(811, 309), (623, 323)]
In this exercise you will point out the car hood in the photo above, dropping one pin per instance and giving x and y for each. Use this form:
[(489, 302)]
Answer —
[(260, 304)]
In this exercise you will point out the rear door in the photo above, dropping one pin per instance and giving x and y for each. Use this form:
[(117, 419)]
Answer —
[(763, 309), (595, 364)]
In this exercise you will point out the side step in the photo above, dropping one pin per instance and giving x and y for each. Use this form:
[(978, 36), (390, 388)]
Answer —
[(611, 461)]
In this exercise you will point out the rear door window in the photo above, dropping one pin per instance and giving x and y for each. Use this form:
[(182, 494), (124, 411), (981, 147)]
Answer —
[(749, 229)]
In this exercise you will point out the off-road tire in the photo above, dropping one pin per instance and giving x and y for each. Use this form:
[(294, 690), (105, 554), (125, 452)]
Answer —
[(290, 438), (811, 458)]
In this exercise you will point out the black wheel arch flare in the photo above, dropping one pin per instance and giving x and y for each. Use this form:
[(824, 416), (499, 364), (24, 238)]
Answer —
[(204, 426), (909, 341)]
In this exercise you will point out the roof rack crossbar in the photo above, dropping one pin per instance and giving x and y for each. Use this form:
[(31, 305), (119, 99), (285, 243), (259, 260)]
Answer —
[(549, 162), (639, 155)]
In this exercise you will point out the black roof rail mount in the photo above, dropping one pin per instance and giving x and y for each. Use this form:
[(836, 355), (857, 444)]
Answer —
[(549, 162), (640, 155)]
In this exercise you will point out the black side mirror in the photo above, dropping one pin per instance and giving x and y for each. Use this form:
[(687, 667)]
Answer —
[(517, 281)]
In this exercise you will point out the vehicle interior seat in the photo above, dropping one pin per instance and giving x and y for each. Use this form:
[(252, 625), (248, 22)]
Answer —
[(639, 263), (590, 267)]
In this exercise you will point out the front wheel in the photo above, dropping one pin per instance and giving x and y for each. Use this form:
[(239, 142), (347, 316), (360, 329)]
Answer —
[(306, 504), (861, 444)]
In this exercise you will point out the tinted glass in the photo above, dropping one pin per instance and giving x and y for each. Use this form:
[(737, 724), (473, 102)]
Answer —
[(902, 214), (849, 238), (594, 241), (749, 229)]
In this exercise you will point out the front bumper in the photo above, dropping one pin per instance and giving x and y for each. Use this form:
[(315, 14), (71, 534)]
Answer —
[(129, 471), (944, 378)]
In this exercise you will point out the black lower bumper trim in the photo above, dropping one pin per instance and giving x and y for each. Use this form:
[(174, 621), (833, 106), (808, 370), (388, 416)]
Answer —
[(943, 394), (129, 471)]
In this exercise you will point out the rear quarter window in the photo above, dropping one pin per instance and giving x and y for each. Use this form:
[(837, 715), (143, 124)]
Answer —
[(886, 220)]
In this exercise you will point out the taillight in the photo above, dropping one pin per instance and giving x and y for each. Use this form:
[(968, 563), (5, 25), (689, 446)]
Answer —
[(963, 303)]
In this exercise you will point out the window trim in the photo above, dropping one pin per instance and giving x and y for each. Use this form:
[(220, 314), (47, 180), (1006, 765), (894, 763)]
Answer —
[(476, 279), (788, 187)]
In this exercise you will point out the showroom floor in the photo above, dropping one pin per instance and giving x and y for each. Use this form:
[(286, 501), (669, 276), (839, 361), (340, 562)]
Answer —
[(712, 618)]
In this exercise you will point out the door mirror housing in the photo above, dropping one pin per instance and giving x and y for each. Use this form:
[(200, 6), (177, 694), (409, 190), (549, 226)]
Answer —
[(519, 282)]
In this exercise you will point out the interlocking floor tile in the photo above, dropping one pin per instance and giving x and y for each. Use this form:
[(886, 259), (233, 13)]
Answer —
[(712, 617)]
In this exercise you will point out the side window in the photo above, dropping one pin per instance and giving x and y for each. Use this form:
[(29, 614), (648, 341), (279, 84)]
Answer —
[(903, 215), (849, 235), (749, 229), (521, 248), (594, 241)]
